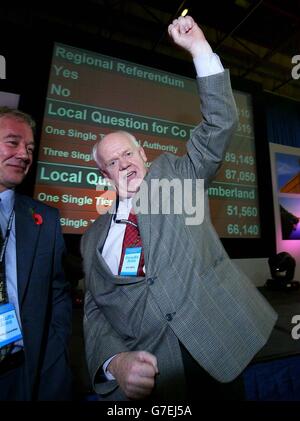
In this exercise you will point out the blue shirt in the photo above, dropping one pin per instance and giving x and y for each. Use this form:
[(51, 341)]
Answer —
[(7, 200)]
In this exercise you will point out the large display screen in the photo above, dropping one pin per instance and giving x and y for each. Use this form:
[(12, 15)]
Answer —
[(90, 95)]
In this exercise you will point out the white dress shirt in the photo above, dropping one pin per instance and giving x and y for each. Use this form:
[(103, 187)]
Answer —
[(112, 249)]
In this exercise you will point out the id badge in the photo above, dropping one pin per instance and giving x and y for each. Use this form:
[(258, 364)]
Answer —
[(131, 261), (9, 326)]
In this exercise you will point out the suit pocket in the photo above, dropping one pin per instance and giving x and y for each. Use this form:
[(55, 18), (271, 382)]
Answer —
[(215, 276), (43, 253), (126, 309)]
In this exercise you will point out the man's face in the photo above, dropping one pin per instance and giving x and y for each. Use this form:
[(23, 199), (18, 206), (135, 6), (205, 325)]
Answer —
[(16, 149), (122, 162)]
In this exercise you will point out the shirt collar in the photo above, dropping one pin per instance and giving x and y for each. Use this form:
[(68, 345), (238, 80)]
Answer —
[(124, 208), (7, 201)]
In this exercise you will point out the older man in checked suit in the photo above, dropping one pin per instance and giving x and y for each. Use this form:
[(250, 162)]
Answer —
[(190, 324)]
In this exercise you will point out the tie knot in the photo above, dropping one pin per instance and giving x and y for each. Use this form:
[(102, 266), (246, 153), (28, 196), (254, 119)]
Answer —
[(132, 217)]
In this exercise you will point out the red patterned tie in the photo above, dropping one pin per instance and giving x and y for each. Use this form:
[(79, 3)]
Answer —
[(132, 238)]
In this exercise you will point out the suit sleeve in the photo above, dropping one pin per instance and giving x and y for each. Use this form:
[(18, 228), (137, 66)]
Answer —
[(101, 340), (61, 300), (55, 371), (209, 140)]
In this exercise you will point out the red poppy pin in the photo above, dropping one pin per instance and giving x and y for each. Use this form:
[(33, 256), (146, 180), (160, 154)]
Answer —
[(38, 220)]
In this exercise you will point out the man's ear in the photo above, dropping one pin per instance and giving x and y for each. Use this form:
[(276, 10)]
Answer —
[(143, 154), (103, 173)]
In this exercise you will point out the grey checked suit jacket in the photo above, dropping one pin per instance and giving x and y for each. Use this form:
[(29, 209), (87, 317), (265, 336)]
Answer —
[(192, 291)]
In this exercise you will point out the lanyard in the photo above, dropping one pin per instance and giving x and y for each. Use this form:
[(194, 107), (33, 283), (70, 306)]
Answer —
[(6, 238), (121, 221)]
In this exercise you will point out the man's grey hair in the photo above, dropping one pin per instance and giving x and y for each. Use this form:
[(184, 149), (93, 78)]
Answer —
[(122, 132), (18, 115)]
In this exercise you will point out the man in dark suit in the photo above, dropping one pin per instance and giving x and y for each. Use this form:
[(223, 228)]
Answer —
[(34, 296), (189, 321)]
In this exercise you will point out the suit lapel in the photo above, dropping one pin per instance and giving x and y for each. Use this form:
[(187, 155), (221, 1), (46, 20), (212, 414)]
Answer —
[(102, 230), (27, 233), (144, 228)]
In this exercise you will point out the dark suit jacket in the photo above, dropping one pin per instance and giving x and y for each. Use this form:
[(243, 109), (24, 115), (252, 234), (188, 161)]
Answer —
[(192, 292), (44, 301)]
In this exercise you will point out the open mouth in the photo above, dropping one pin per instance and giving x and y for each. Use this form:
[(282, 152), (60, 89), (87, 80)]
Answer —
[(131, 175)]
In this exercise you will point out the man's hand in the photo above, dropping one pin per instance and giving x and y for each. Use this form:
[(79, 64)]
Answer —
[(135, 373), (187, 34)]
